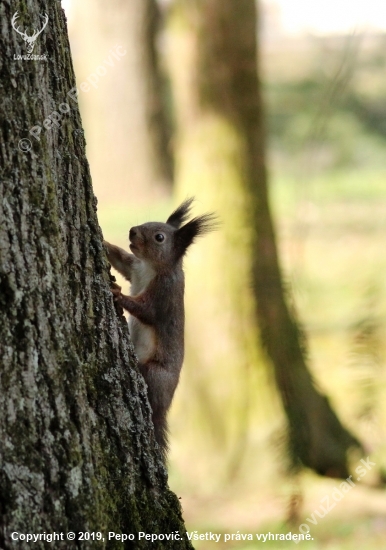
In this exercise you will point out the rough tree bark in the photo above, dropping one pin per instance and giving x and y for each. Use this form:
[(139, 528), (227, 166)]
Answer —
[(225, 84), (77, 449)]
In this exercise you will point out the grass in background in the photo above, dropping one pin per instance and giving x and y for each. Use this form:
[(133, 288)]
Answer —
[(329, 204), (331, 239), (116, 219)]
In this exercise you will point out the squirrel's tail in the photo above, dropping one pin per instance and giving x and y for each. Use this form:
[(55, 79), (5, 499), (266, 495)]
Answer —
[(159, 380)]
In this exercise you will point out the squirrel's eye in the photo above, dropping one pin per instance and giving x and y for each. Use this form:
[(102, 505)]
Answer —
[(159, 237)]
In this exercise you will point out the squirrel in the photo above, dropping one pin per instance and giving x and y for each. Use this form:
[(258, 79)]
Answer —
[(156, 302)]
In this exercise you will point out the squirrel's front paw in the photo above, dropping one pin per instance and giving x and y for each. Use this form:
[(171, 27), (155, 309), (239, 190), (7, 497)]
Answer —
[(117, 297), (116, 291)]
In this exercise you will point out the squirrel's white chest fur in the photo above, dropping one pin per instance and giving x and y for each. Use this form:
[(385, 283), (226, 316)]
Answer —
[(142, 274), (143, 336)]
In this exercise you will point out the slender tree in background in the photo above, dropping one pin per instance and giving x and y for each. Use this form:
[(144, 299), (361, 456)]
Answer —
[(220, 101), (124, 112), (77, 448)]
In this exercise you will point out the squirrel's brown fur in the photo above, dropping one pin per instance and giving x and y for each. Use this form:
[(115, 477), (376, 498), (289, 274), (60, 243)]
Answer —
[(156, 303)]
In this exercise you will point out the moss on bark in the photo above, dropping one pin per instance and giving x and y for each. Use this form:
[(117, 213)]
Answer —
[(77, 446)]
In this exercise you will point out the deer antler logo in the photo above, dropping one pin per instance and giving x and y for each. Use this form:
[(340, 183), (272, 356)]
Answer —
[(29, 39)]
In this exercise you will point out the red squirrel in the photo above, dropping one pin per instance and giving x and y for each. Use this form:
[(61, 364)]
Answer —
[(156, 303)]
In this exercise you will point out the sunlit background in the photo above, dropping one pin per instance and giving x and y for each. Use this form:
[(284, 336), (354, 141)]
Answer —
[(319, 17), (323, 71), (329, 16)]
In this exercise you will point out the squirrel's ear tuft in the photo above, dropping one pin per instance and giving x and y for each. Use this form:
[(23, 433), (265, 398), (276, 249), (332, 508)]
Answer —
[(186, 235), (181, 214)]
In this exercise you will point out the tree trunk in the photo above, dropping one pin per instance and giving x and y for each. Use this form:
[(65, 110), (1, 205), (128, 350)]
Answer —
[(77, 446), (225, 86), (124, 112)]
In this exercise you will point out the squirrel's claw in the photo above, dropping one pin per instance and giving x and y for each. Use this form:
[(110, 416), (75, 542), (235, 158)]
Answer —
[(116, 291)]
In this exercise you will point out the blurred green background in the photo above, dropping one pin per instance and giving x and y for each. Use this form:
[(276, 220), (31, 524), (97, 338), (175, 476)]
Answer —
[(324, 96)]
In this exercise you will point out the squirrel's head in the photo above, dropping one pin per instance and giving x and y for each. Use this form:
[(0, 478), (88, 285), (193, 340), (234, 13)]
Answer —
[(164, 244)]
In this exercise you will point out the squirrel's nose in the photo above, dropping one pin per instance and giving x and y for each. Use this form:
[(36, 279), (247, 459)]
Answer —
[(132, 232)]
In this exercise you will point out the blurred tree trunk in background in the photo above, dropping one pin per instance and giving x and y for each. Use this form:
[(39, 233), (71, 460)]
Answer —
[(219, 102), (124, 114), (77, 448)]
